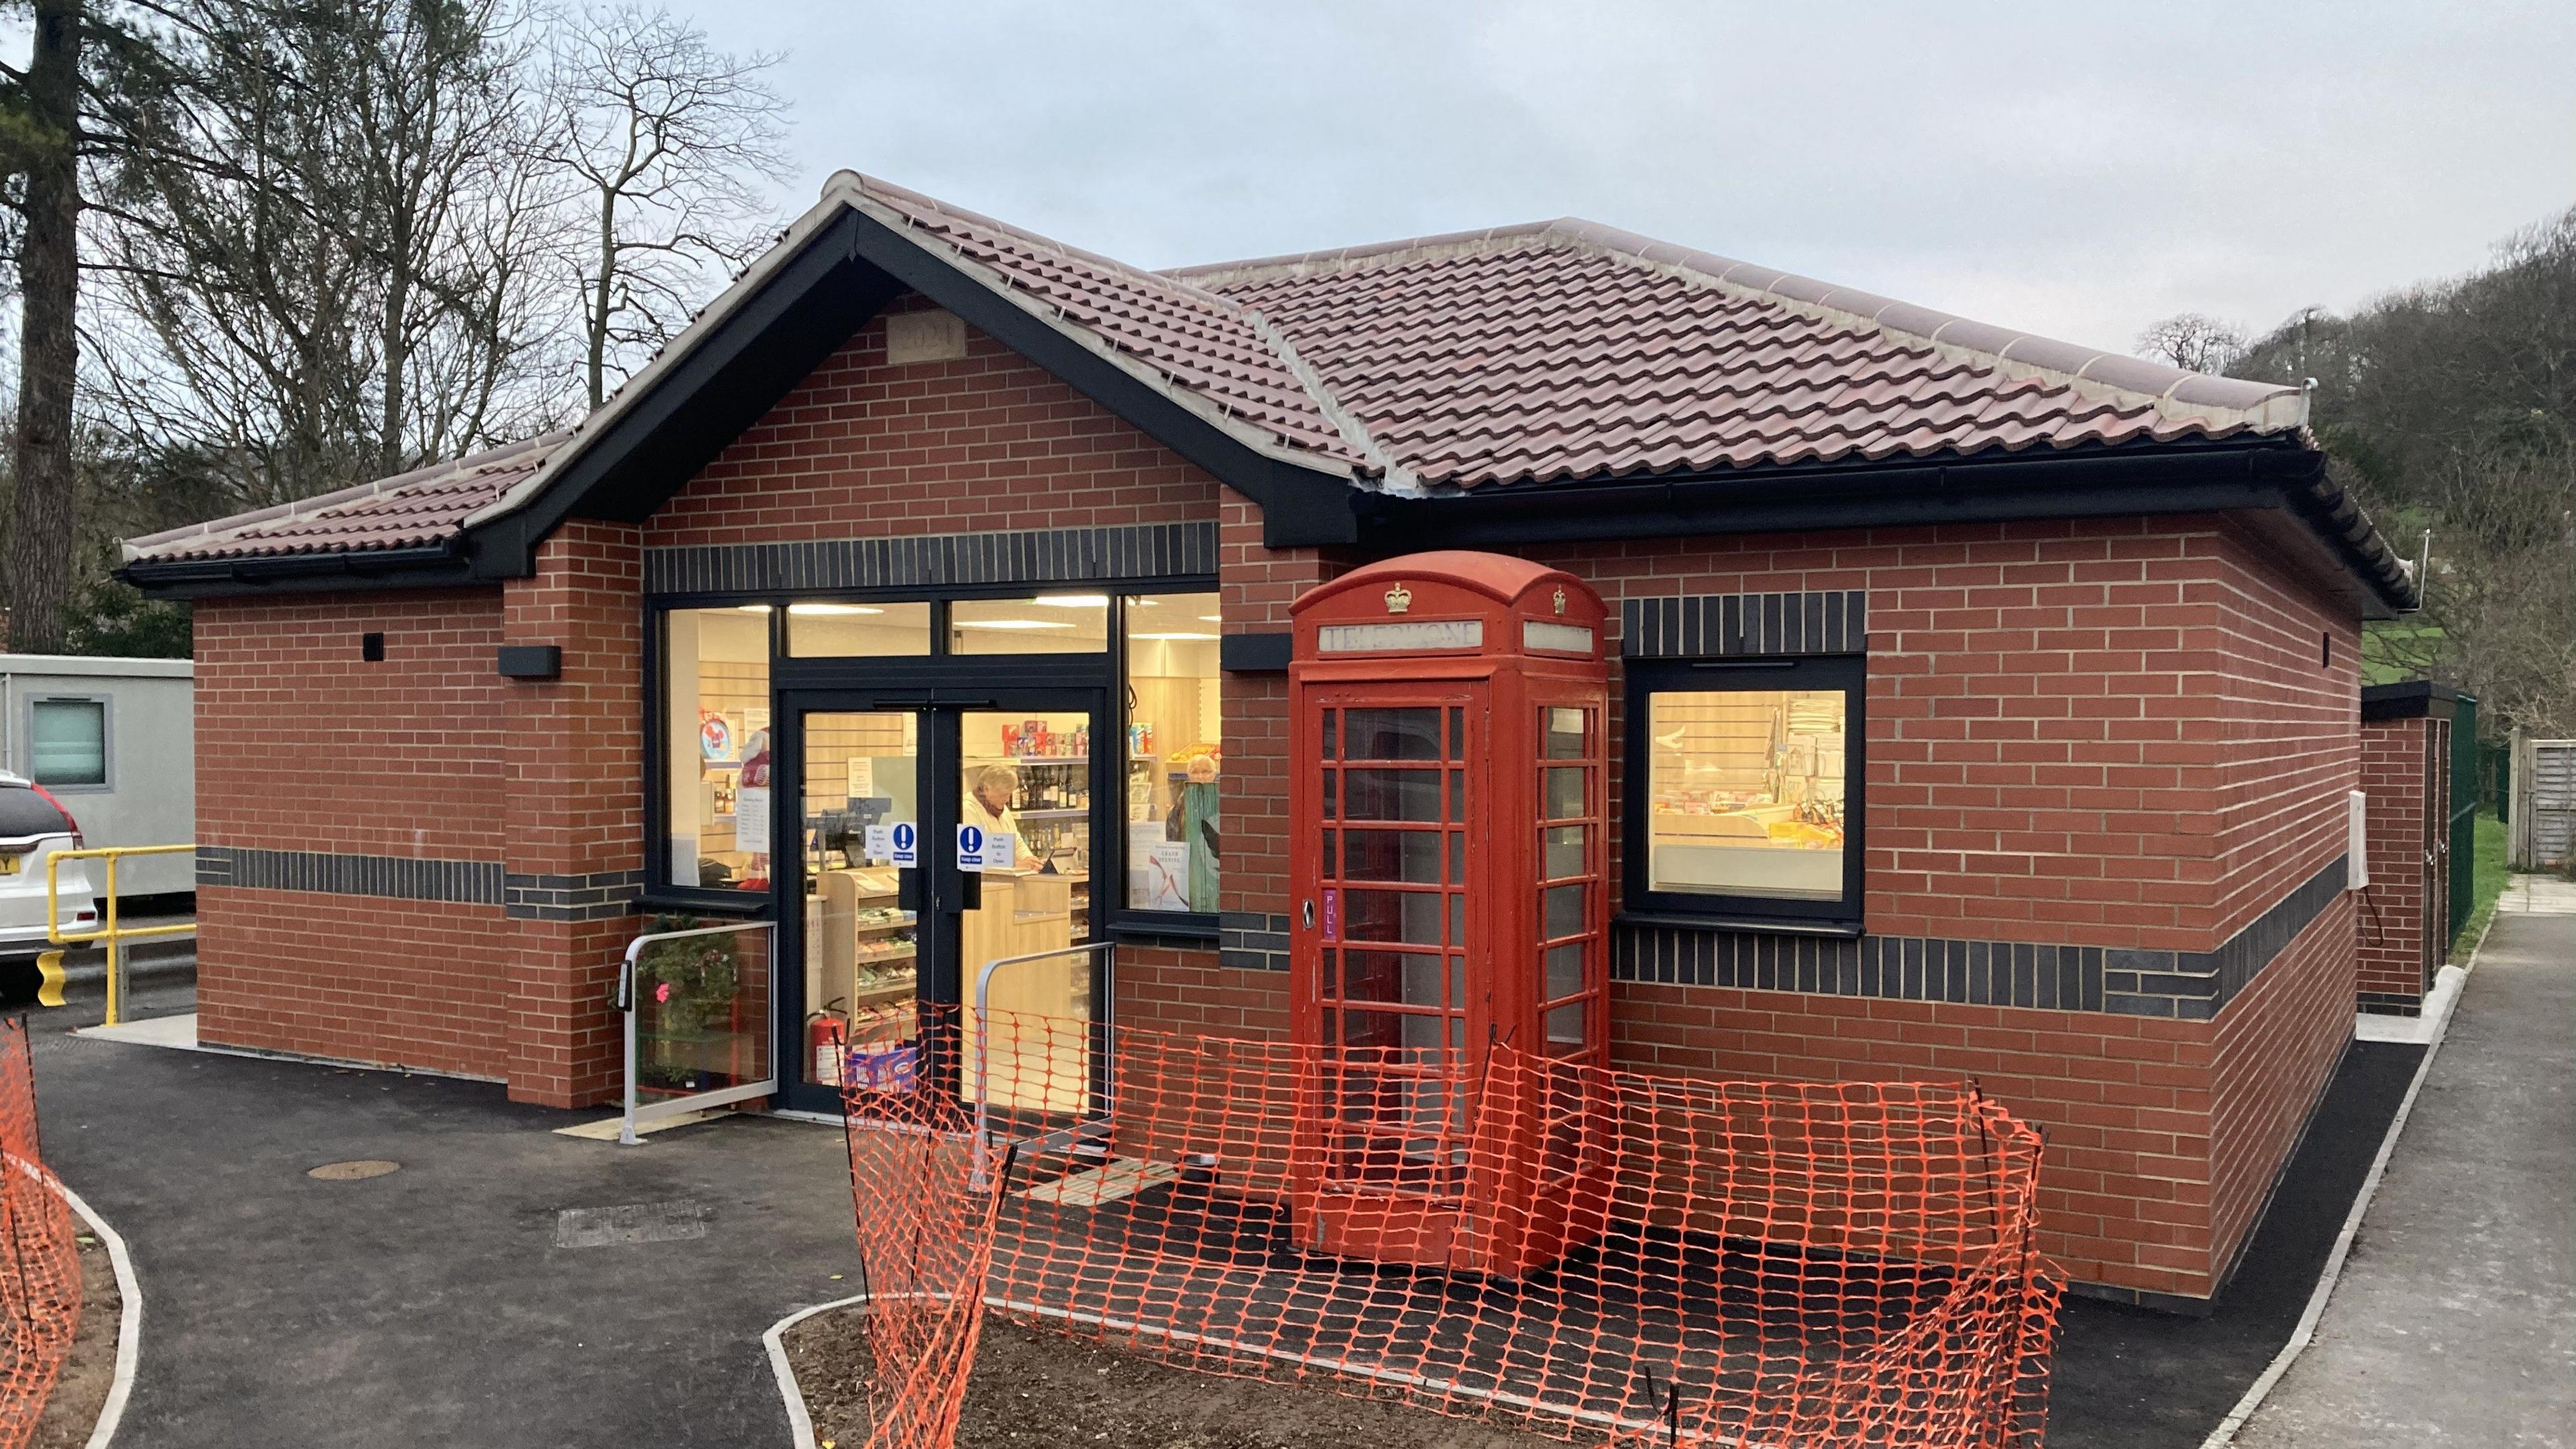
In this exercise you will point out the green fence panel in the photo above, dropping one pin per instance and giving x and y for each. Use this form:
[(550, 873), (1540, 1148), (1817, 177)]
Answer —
[(2464, 809)]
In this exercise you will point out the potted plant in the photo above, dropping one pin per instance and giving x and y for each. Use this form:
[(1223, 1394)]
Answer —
[(684, 986)]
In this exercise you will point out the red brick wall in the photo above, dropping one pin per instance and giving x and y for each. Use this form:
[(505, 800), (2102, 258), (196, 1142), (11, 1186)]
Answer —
[(429, 754), (2052, 708), (2123, 1100), (303, 746), (575, 767), (2274, 1046), (1187, 994), (2405, 770), (865, 449), (353, 978), (2288, 747)]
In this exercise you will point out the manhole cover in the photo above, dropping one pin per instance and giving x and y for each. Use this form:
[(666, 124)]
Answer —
[(635, 1222), (352, 1171)]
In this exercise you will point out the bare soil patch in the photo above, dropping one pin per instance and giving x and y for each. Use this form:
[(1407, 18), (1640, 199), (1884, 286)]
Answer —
[(80, 1392), (1031, 1388)]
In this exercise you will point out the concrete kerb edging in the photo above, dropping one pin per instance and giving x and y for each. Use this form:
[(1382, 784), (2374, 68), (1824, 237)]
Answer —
[(800, 1425), (129, 1328), (2225, 1434)]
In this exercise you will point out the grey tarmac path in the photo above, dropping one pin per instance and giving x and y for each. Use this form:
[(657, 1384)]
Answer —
[(430, 1306), (2455, 1319)]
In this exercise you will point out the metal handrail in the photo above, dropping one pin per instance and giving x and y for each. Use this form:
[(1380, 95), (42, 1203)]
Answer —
[(984, 1031), (625, 1003), (109, 931)]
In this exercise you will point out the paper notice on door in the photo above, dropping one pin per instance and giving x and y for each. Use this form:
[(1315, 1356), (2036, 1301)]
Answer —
[(751, 820)]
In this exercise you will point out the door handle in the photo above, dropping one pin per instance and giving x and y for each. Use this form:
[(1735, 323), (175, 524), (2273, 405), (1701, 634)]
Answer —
[(1309, 913)]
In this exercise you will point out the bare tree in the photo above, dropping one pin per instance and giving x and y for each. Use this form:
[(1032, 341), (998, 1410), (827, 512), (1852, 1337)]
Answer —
[(2193, 342), (670, 140), (331, 243), (2451, 406)]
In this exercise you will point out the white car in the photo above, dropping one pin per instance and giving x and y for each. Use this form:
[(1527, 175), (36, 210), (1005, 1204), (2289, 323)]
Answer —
[(33, 825)]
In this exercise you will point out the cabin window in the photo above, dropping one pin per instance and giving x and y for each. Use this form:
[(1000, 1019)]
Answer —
[(67, 743)]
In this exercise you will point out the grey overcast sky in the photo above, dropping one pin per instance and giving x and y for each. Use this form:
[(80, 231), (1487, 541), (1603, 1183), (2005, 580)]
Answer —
[(2078, 170)]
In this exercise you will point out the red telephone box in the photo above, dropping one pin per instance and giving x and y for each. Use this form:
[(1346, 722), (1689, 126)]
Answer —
[(1447, 822)]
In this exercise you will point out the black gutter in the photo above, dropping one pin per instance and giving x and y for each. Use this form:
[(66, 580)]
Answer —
[(2270, 475), (443, 565)]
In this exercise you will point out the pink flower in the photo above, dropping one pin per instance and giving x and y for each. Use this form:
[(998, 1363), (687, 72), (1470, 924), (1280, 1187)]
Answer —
[(662, 992)]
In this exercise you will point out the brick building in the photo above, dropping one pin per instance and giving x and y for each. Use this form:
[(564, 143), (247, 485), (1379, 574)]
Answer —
[(2000, 696), (2404, 930)]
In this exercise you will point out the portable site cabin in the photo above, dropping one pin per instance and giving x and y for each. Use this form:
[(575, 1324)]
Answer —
[(1976, 705), (114, 740)]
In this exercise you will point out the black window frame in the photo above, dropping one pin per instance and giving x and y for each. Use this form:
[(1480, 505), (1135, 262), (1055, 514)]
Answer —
[(1120, 920), (1645, 678)]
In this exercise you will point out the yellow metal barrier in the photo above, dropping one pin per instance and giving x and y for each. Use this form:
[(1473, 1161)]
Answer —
[(109, 931)]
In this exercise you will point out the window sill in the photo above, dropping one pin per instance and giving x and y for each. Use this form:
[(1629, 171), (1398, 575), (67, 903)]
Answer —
[(750, 905), (1194, 931), (1719, 921)]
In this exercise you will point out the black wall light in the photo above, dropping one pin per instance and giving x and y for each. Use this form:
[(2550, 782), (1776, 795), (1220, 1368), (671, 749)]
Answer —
[(532, 661)]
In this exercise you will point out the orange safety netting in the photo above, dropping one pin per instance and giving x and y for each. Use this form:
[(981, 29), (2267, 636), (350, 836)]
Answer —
[(40, 1275), (1598, 1255)]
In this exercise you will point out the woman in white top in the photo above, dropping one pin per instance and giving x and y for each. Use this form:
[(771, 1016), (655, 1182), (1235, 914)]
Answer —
[(989, 789)]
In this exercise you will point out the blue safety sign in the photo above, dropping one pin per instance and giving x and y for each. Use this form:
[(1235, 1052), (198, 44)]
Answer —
[(906, 843), (970, 847)]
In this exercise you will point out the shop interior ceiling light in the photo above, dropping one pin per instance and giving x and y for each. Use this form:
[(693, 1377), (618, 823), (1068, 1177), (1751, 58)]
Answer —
[(1077, 601), (1012, 624), (831, 609), (1171, 636)]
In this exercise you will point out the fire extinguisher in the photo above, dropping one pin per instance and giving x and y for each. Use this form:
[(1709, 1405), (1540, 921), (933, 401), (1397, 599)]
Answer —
[(827, 1034)]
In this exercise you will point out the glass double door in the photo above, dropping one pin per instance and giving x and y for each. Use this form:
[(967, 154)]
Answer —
[(930, 838)]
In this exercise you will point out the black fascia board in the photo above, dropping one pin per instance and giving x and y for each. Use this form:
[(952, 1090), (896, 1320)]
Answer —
[(769, 343), (2079, 483), (2408, 699), (431, 567)]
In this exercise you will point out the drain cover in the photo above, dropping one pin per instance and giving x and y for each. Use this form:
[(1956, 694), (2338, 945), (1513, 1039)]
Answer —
[(352, 1171), (636, 1222)]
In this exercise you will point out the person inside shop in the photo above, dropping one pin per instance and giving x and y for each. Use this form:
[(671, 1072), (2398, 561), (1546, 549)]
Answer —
[(989, 792)]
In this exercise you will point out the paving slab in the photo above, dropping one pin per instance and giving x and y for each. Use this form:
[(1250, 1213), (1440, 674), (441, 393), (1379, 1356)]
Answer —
[(2455, 1319)]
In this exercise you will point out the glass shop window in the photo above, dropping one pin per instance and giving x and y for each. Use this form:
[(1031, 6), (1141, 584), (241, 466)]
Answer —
[(715, 690), (67, 742), (1065, 623), (1749, 797), (1175, 752), (835, 630)]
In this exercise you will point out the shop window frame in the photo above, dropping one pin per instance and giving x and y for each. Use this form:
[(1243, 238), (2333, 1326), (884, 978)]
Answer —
[(660, 892), (1134, 922), (1120, 921), (1646, 678)]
